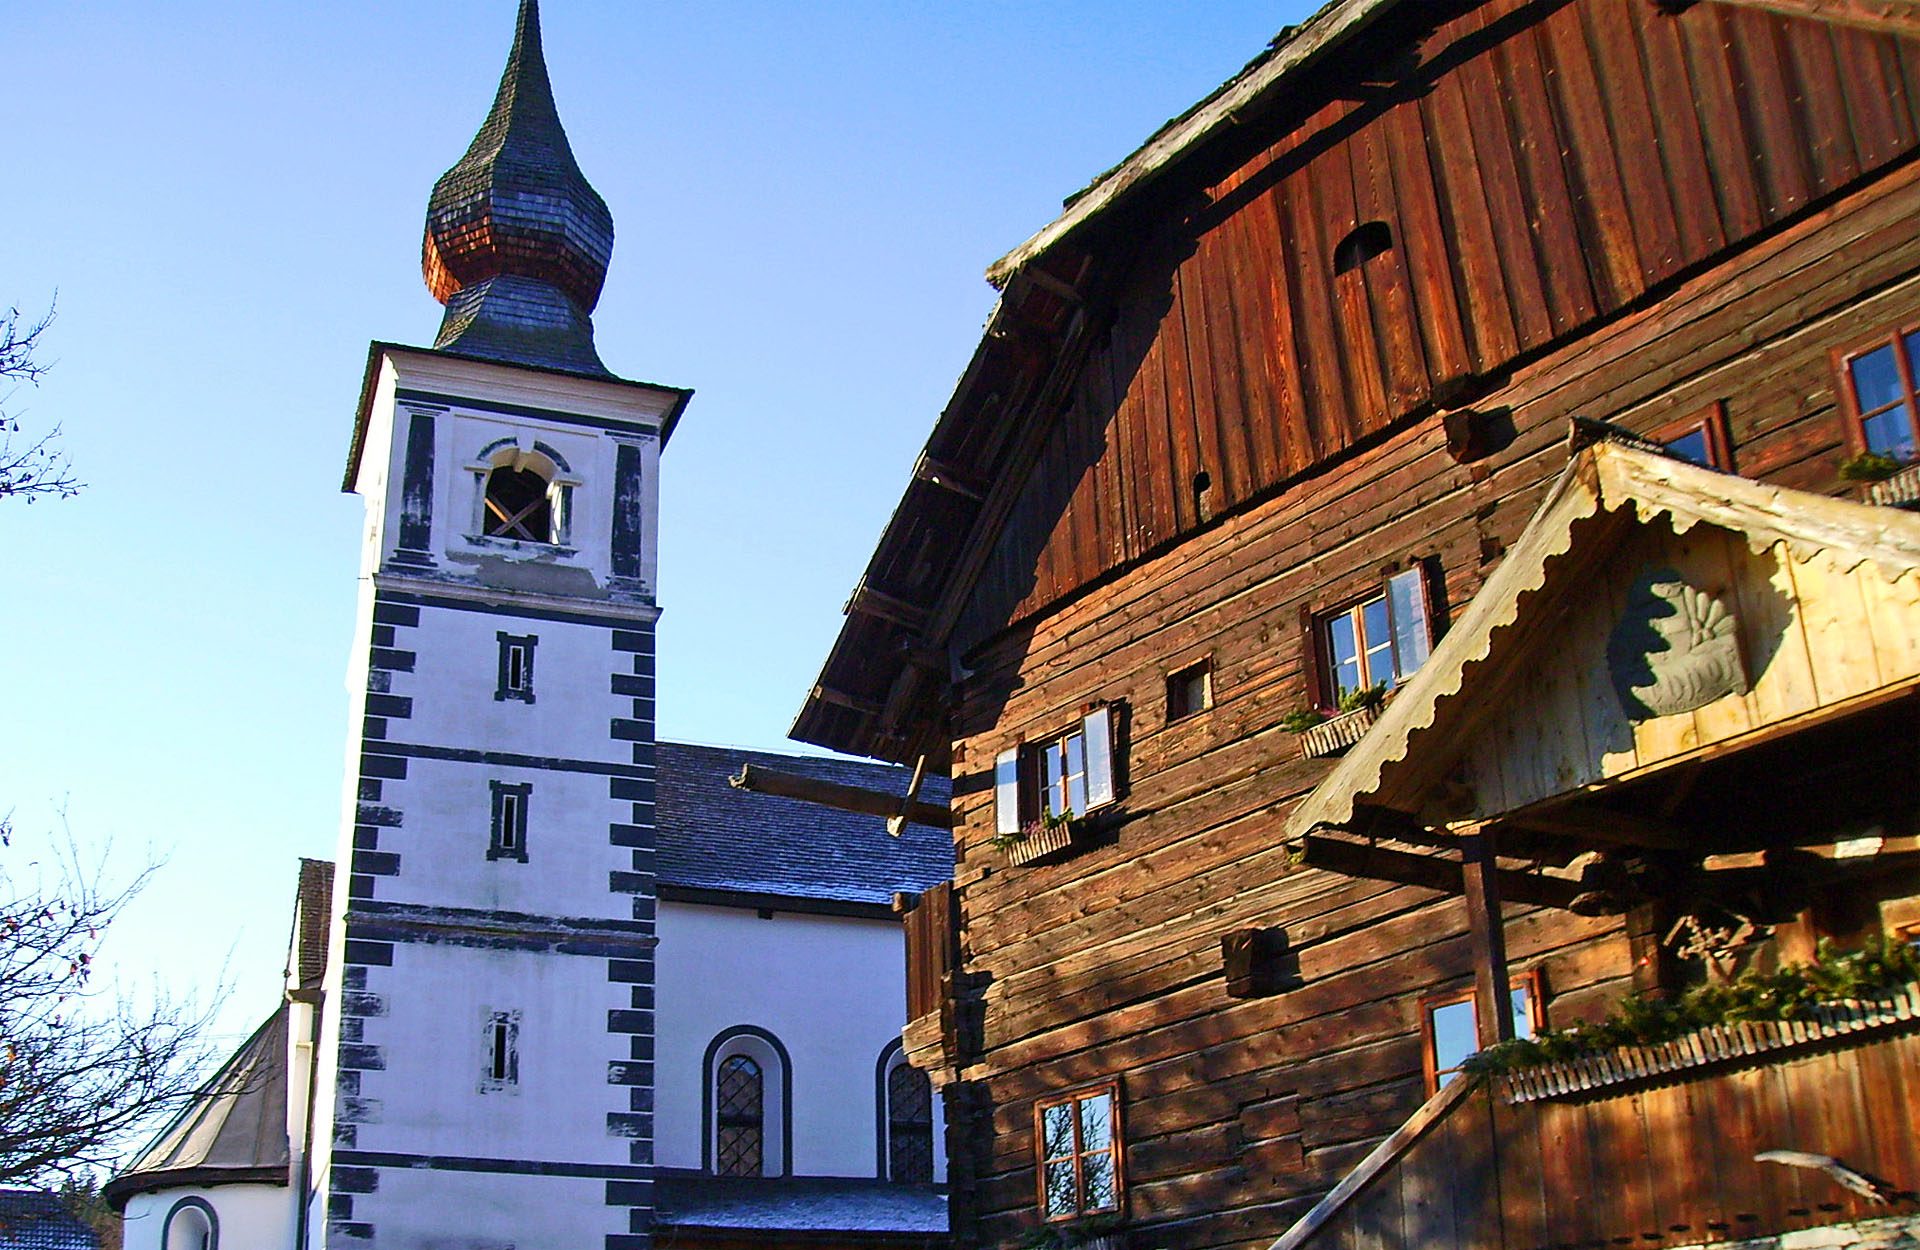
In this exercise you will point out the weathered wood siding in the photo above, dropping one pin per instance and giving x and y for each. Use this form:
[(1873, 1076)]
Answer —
[(1665, 1164), (1542, 166), (1240, 1112)]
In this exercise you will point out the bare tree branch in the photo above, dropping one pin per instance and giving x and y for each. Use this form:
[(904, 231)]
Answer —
[(79, 1070), (30, 466)]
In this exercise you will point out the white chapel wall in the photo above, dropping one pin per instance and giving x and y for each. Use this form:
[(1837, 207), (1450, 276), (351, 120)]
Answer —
[(831, 988), (249, 1217)]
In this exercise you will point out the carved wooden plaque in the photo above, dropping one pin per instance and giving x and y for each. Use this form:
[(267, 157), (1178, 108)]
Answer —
[(1675, 648)]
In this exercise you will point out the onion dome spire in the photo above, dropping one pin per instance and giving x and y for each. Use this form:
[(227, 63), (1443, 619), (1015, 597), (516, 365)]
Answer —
[(517, 242)]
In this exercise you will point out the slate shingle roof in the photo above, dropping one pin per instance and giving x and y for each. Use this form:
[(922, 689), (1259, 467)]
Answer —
[(714, 837), (800, 1204), (31, 1219)]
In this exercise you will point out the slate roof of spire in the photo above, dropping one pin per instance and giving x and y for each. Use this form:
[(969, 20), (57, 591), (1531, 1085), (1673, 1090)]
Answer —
[(517, 242), (32, 1219), (712, 837)]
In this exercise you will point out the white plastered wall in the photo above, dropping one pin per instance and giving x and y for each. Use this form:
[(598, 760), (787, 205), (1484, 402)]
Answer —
[(831, 988), (251, 1217)]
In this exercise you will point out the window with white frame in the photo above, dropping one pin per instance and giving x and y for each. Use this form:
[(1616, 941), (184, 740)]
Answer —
[(1378, 640), (1059, 778)]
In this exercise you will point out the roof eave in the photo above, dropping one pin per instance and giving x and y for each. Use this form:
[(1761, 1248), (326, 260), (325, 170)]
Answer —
[(1174, 142)]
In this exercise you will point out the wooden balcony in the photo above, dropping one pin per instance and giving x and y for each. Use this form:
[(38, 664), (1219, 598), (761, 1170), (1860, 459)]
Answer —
[(1653, 1147)]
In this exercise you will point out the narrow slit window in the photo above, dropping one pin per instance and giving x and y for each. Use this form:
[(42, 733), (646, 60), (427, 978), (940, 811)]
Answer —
[(510, 802), (514, 678), (501, 1041)]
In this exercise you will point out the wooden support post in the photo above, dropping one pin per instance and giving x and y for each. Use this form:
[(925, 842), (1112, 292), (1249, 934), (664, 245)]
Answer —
[(1646, 925), (1492, 999)]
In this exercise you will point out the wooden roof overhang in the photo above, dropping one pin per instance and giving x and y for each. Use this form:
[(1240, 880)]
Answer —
[(1513, 726)]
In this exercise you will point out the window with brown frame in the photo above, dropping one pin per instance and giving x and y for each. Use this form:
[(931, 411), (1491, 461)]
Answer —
[(1078, 1149), (1878, 390), (1059, 778), (1448, 1034), (1379, 640), (1700, 437)]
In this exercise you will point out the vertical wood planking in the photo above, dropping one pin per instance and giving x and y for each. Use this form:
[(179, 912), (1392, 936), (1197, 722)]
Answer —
[(1270, 342), (1893, 617), (1430, 272), (1829, 132), (1580, 107), (1724, 128), (1389, 292), (1467, 225), (1177, 404), (1628, 109), (1493, 143), (1330, 177), (1770, 102), (1831, 608), (1537, 145), (1682, 144), (1771, 638), (1222, 466), (1310, 277)]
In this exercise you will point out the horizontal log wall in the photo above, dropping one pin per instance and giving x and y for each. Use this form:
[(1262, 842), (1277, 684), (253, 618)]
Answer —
[(1240, 1112), (1541, 165)]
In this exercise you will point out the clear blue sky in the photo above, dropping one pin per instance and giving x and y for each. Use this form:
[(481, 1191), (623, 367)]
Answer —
[(228, 199)]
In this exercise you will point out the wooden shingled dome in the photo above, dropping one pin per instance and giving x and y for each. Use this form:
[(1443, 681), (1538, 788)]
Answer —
[(516, 215)]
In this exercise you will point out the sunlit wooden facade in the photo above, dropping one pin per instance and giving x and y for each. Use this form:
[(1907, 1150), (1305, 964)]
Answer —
[(1282, 407)]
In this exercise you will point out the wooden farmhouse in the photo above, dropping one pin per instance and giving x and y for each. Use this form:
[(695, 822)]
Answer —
[(1402, 549)]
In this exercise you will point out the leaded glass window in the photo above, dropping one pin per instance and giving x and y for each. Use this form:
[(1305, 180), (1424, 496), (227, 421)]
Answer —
[(909, 1125), (739, 1117)]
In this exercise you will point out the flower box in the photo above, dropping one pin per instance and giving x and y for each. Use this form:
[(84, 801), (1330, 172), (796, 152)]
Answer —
[(1902, 490), (1039, 839), (1330, 737)]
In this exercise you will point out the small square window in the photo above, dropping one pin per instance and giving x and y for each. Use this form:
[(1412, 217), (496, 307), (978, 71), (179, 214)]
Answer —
[(509, 837), (1700, 437), (515, 670), (1079, 1149), (500, 1043), (1449, 1033), (1379, 641), (1190, 690), (1877, 387)]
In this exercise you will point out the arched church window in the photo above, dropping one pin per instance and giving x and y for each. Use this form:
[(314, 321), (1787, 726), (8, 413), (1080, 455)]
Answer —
[(190, 1225), (740, 1118), (518, 505), (909, 1125)]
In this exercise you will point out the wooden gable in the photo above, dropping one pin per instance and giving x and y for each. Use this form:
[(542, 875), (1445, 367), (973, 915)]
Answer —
[(1653, 613)]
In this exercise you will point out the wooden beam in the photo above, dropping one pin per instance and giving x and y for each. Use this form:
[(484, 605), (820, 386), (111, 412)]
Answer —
[(1572, 820), (1886, 17), (845, 798), (1492, 1006), (945, 476), (852, 702), (870, 602), (1356, 859)]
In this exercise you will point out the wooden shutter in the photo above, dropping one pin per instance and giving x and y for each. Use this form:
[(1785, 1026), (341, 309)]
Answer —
[(1006, 791), (1101, 756)]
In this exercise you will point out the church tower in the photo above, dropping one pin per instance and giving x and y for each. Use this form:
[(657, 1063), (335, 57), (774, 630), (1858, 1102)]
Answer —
[(488, 1017)]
